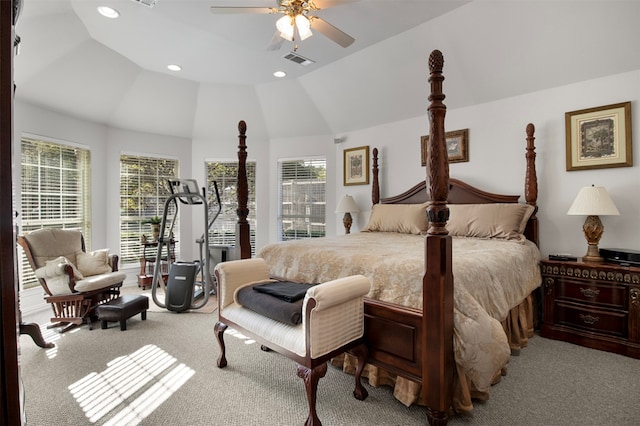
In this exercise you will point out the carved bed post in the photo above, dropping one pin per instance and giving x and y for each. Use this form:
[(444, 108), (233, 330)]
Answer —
[(531, 184), (375, 187), (243, 242), (437, 283)]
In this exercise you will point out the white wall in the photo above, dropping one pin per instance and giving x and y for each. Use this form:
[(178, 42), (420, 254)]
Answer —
[(497, 158)]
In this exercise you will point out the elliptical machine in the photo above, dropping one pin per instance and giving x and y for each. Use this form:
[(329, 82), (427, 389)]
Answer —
[(183, 290)]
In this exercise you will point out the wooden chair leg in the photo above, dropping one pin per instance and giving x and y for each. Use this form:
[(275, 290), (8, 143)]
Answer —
[(311, 378), (219, 331), (361, 352), (33, 330)]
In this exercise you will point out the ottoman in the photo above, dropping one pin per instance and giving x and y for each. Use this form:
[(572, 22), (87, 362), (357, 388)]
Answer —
[(123, 308)]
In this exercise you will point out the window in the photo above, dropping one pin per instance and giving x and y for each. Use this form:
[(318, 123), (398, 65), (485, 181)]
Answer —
[(225, 173), (302, 198), (143, 190), (55, 192)]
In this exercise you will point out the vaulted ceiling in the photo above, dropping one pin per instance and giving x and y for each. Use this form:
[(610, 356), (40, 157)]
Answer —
[(113, 71)]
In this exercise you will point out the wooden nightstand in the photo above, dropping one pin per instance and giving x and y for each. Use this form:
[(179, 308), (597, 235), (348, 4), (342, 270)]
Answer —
[(596, 305)]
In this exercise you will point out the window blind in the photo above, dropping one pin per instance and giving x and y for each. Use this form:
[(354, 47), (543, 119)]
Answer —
[(55, 192), (225, 173), (144, 189), (302, 198)]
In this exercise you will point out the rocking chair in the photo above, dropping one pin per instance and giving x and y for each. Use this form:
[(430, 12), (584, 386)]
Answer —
[(75, 282)]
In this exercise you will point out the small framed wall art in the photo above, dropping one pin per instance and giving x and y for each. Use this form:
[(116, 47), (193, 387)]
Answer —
[(356, 166), (599, 138), (457, 146)]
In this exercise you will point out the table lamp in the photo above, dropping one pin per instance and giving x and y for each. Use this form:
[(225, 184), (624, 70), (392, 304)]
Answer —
[(346, 206), (593, 201)]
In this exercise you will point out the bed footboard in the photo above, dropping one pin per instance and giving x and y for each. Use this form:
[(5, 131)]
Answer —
[(392, 335)]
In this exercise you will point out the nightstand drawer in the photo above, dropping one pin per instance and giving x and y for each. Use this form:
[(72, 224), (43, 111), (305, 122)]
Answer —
[(603, 294), (611, 323)]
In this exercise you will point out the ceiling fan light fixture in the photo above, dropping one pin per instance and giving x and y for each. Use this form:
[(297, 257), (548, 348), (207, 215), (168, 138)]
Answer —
[(285, 26), (304, 27)]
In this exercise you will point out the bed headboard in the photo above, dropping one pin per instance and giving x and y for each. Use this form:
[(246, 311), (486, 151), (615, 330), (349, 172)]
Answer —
[(462, 193)]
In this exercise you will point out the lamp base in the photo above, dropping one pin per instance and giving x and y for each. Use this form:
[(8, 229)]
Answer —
[(347, 221), (593, 230)]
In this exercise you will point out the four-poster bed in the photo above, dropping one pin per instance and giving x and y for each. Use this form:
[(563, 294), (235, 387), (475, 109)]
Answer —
[(419, 336)]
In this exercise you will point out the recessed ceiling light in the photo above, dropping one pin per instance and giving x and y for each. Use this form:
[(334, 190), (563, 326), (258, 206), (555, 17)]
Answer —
[(279, 74), (108, 12), (174, 67)]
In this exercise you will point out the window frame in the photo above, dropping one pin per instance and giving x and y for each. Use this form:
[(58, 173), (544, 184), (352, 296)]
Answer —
[(45, 191), (133, 226), (316, 223), (228, 196)]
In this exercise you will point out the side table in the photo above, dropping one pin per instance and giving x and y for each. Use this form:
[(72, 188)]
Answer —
[(148, 260), (596, 305)]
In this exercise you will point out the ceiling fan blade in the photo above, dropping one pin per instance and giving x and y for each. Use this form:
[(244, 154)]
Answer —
[(325, 4), (240, 9), (331, 32), (276, 42)]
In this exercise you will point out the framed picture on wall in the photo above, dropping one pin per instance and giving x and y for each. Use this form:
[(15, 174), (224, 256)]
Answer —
[(457, 146), (356, 166), (599, 138)]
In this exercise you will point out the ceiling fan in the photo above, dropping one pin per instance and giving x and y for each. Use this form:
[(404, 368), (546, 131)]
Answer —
[(297, 22)]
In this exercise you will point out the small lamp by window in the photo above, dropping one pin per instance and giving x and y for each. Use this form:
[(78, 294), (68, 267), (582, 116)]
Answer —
[(346, 206), (593, 201)]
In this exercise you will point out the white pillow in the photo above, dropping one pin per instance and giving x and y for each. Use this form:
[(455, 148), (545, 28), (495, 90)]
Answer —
[(401, 218), (56, 267), (498, 220), (94, 263), (53, 272)]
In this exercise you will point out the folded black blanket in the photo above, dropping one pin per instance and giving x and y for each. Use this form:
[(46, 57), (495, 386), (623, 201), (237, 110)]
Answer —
[(285, 290), (269, 306)]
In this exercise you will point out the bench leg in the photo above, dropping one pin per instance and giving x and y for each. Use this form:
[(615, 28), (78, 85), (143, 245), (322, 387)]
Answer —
[(144, 315), (311, 378), (219, 331), (361, 353), (103, 324), (123, 325)]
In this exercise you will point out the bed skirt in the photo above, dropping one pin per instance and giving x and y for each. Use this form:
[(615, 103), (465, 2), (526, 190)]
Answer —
[(518, 326)]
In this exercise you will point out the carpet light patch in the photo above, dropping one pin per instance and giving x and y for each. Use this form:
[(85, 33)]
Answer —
[(140, 381), (238, 335)]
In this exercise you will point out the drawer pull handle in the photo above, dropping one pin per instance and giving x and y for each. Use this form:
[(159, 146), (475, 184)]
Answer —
[(589, 292), (589, 319)]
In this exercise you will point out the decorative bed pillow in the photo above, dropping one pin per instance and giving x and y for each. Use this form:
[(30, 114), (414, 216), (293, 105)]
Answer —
[(94, 263), (505, 221), (401, 218)]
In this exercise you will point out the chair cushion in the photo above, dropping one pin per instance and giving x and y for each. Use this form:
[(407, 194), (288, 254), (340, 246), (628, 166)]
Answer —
[(94, 263), (47, 244), (287, 336), (97, 282)]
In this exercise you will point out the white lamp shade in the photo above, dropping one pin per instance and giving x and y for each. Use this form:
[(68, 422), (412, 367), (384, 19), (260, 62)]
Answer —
[(347, 205), (593, 201)]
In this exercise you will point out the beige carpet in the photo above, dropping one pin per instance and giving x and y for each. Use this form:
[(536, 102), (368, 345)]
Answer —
[(162, 371)]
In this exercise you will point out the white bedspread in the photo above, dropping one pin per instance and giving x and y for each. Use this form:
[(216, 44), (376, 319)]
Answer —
[(490, 278)]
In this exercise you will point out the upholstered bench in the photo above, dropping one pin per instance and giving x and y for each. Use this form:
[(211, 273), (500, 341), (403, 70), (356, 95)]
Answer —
[(123, 308), (332, 323)]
